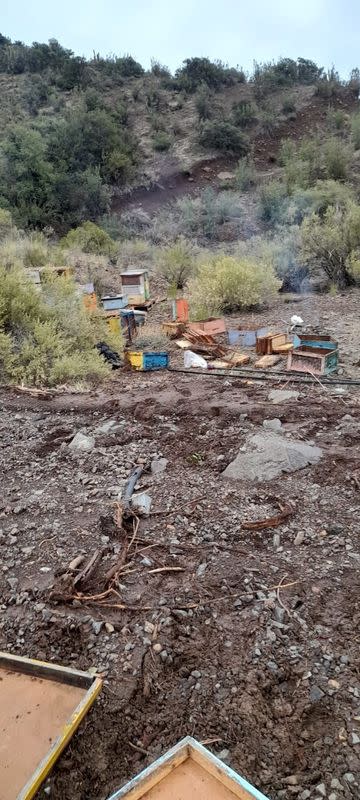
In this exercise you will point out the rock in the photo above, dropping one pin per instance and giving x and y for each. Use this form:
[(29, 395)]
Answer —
[(281, 395), (355, 739), (149, 627), (225, 176), (267, 455), (316, 694), (272, 424), (159, 466), (349, 777), (81, 443), (200, 572), (141, 504), (291, 780), (224, 755), (110, 426), (335, 784), (196, 674), (157, 647), (321, 788), (304, 795), (333, 796), (109, 627), (146, 562), (299, 538), (96, 626)]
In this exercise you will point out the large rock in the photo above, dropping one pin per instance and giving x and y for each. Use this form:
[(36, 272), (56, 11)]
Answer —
[(282, 395), (270, 454), (81, 443)]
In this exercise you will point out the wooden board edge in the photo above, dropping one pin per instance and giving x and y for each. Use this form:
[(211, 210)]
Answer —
[(152, 775), (230, 779), (43, 669), (41, 772)]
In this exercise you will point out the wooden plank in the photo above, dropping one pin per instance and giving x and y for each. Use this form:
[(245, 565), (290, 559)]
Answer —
[(41, 669), (152, 775), (230, 779), (267, 361)]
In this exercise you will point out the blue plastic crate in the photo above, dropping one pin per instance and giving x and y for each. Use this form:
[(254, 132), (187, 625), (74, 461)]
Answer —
[(155, 360)]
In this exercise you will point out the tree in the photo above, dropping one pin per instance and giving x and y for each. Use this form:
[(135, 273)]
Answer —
[(330, 241), (27, 177), (222, 135)]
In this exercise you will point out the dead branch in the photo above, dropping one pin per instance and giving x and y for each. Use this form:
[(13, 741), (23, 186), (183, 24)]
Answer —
[(286, 511), (166, 569), (90, 567)]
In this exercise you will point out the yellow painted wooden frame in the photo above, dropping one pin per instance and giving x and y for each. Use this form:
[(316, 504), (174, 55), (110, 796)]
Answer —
[(54, 672), (187, 748)]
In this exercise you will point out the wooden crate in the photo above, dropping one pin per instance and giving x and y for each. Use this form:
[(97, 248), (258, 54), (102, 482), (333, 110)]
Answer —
[(211, 326), (318, 361), (38, 699), (188, 772)]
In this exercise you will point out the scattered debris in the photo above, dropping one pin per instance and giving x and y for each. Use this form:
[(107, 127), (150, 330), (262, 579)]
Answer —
[(267, 361), (286, 511)]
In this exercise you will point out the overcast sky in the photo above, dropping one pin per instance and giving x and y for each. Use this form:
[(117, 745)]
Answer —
[(235, 31)]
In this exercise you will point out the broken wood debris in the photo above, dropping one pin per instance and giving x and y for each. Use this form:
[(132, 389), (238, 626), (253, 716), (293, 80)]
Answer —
[(286, 511)]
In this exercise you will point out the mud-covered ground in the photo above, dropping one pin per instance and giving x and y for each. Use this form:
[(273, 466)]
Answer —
[(253, 644)]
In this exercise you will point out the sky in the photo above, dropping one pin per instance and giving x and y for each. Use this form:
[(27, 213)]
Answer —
[(235, 31)]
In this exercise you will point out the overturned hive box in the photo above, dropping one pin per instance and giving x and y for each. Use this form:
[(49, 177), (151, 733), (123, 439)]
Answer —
[(316, 360), (188, 772), (41, 707), (211, 326)]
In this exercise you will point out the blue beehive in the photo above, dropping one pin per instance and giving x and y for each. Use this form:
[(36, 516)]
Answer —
[(114, 302)]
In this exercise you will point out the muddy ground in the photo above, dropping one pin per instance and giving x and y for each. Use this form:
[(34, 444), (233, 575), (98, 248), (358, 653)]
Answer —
[(253, 647)]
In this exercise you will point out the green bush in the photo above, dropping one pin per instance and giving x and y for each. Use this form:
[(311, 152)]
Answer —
[(197, 71), (355, 130), (287, 151), (336, 160), (331, 242), (245, 175), (223, 136), (289, 105), (244, 114), (46, 337), (268, 121), (273, 202), (91, 239), (336, 119), (176, 263), (159, 70), (6, 222), (203, 102), (225, 284), (161, 141)]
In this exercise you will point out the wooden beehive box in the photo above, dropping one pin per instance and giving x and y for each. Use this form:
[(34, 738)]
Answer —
[(316, 360), (41, 707), (188, 772), (211, 326), (135, 283)]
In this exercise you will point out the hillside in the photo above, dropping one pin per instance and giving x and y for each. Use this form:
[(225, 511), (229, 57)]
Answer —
[(109, 128)]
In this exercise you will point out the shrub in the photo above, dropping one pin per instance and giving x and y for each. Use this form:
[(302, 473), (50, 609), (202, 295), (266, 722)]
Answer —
[(177, 263), (162, 141), (159, 70), (203, 102), (46, 337), (336, 159), (273, 202), (289, 105), (91, 239), (244, 114), (197, 71), (330, 242), (268, 122), (355, 130), (223, 136), (36, 251), (6, 222), (336, 119), (245, 175), (225, 284), (287, 151)]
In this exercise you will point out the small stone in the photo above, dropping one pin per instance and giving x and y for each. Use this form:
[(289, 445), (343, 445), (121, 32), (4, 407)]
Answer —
[(355, 739), (159, 466), (196, 674), (96, 626), (335, 784), (149, 627), (305, 794), (321, 788), (157, 647), (200, 572), (164, 655), (272, 424), (224, 755), (316, 694), (141, 503), (291, 780), (281, 395), (299, 538), (332, 684), (333, 796), (109, 627), (349, 777)]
